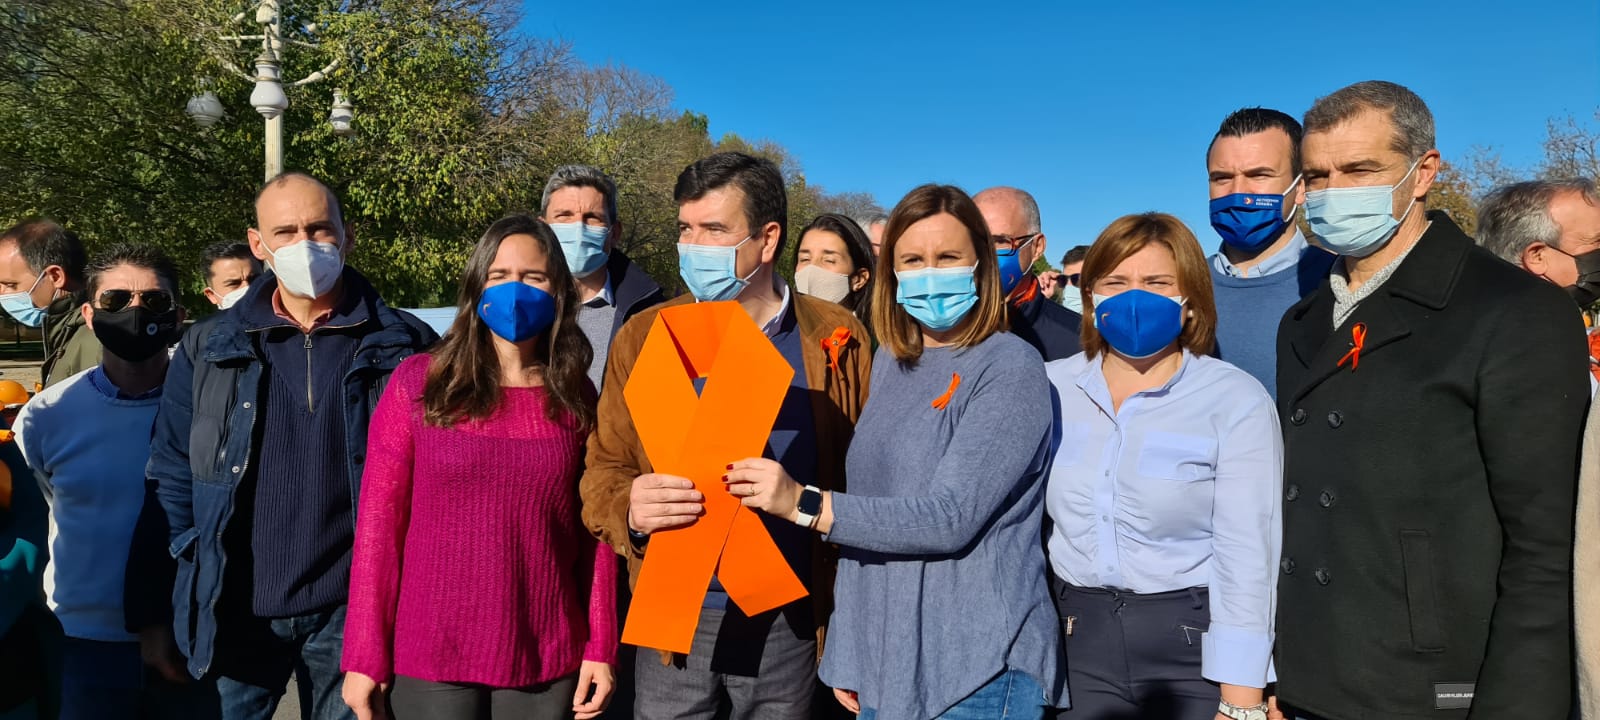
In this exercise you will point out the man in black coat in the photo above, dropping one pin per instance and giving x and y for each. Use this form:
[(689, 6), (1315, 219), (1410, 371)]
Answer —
[(1432, 400), (1013, 219)]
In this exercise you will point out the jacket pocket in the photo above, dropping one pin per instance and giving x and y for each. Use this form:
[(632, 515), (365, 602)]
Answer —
[(1416, 555), (1174, 456), (183, 584)]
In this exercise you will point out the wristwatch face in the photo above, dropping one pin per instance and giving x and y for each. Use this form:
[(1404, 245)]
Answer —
[(810, 502)]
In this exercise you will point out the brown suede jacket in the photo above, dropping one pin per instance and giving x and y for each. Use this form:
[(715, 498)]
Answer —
[(616, 457)]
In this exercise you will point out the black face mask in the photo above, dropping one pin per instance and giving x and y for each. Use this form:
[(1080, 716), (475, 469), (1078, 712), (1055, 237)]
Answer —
[(134, 333), (1587, 289)]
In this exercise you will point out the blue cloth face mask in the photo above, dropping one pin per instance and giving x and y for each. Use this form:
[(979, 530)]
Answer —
[(711, 271), (19, 305), (1356, 221), (584, 245), (1138, 323), (937, 297), (516, 311), (1252, 221), (1011, 270)]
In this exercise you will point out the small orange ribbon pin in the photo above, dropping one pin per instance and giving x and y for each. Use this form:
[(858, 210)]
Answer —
[(834, 343), (1358, 338), (943, 401)]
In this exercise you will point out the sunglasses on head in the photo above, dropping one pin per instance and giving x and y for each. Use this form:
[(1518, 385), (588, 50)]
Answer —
[(156, 301)]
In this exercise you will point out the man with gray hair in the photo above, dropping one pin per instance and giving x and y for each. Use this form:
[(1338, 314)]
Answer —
[(580, 205), (873, 225), (1013, 219), (1549, 228), (1429, 476)]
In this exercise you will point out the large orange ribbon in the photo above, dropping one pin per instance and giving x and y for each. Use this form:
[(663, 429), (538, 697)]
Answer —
[(696, 437)]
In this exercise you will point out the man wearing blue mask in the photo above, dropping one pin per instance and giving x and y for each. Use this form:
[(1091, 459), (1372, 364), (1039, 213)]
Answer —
[(41, 286), (580, 204), (732, 214), (1429, 475), (257, 456), (1264, 264), (1013, 219)]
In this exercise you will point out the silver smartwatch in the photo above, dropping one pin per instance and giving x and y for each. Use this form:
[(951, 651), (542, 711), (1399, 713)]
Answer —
[(1253, 712)]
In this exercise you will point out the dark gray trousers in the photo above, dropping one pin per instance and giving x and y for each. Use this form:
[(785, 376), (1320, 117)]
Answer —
[(739, 668)]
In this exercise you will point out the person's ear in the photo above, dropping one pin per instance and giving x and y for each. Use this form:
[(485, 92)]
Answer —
[(859, 278), (258, 245), (1038, 252), (56, 277), (349, 238), (613, 236), (88, 315), (213, 296), (771, 235), (1534, 259), (1427, 172)]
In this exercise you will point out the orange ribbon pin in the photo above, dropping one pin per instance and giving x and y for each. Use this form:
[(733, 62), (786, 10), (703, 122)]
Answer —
[(1358, 338), (943, 401), (834, 344), (696, 437)]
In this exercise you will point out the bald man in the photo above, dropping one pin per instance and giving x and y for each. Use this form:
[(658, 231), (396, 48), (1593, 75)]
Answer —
[(258, 452), (1013, 218)]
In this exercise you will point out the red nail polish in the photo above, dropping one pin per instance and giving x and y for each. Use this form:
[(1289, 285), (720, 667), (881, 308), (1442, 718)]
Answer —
[(729, 467)]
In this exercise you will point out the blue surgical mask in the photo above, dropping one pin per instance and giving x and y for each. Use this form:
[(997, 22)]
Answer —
[(1138, 323), (1011, 270), (937, 297), (1072, 299), (1356, 221), (19, 305), (1251, 221), (711, 271), (516, 311), (584, 245)]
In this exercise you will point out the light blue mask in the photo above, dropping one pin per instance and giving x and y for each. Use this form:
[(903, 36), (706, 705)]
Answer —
[(937, 297), (1072, 299), (1356, 221), (584, 245), (711, 271), (19, 305)]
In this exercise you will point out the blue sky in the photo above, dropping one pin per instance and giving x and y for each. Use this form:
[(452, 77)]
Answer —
[(1099, 109)]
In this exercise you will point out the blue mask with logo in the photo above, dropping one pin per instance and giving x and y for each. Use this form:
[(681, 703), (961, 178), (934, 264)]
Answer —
[(584, 245), (1011, 270), (937, 297), (711, 271), (1251, 221), (19, 305), (1356, 221), (516, 311), (1138, 323)]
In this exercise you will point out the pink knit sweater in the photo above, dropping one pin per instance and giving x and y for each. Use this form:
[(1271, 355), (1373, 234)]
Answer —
[(471, 564)]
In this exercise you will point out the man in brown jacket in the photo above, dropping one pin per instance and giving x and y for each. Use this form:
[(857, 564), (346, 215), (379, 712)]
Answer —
[(731, 220)]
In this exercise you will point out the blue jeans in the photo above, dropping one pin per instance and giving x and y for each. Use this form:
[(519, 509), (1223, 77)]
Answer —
[(1014, 695), (255, 657)]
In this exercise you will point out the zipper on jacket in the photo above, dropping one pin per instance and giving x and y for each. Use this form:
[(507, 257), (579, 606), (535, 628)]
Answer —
[(309, 403)]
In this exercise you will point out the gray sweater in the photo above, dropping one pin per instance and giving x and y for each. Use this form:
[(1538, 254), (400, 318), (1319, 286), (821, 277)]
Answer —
[(941, 583)]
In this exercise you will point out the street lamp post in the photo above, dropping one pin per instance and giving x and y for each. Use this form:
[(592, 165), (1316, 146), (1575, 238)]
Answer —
[(268, 96)]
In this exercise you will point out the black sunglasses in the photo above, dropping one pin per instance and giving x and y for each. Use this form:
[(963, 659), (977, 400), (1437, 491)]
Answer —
[(156, 301), (1073, 278)]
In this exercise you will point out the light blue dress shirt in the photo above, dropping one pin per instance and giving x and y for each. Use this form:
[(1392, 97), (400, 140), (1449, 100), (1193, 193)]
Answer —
[(1279, 261), (1179, 488)]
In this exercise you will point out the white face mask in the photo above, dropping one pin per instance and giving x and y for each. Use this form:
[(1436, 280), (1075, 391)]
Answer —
[(821, 283), (228, 301), (307, 268)]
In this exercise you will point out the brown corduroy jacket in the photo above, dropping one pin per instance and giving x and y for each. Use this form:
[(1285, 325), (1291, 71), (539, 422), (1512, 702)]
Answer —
[(616, 457)]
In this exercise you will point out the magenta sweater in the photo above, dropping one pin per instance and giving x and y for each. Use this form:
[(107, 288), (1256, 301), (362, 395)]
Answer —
[(471, 564)]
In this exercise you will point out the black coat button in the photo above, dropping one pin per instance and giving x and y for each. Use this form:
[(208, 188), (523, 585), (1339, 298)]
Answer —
[(1323, 576), (1327, 499), (1299, 416), (1335, 419), (1292, 493), (1288, 565)]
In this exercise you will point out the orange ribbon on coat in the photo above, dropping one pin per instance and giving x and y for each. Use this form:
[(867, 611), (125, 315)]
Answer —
[(1358, 339), (835, 343), (696, 437)]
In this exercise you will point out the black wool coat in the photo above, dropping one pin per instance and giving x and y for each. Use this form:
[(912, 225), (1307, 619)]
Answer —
[(1429, 492)]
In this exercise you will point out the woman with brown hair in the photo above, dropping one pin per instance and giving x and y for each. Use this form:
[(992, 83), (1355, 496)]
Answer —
[(940, 606), (474, 588), (1163, 493)]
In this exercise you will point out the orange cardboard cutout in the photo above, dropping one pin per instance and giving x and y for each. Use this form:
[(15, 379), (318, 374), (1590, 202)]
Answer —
[(696, 437)]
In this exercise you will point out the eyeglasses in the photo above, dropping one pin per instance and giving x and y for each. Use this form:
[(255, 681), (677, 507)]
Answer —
[(156, 301), (1007, 242)]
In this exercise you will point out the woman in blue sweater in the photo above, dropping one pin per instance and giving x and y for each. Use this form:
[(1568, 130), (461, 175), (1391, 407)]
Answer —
[(941, 608)]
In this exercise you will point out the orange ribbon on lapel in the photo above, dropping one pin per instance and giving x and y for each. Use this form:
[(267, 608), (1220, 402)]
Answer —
[(1358, 338), (835, 343), (943, 401), (696, 437)]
